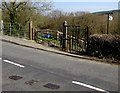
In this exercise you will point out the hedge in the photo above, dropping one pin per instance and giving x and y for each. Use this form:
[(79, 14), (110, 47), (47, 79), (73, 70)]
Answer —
[(104, 46)]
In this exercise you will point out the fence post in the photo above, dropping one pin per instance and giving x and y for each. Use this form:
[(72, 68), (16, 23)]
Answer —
[(35, 34), (30, 30), (1, 26), (65, 35), (87, 39), (19, 31), (71, 42), (57, 35), (10, 29)]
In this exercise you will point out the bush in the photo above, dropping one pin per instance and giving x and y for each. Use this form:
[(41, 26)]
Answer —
[(104, 46)]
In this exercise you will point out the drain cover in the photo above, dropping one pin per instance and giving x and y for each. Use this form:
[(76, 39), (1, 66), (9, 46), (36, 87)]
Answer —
[(52, 86), (31, 82), (15, 77)]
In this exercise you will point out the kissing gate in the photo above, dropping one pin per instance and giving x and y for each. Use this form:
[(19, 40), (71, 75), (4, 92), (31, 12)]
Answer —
[(74, 38)]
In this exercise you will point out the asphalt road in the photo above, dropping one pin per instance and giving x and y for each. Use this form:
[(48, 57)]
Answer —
[(71, 74)]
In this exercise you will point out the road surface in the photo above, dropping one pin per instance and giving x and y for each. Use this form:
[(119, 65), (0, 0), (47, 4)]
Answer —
[(70, 74)]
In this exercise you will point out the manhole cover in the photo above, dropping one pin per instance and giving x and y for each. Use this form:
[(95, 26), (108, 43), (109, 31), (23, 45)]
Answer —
[(52, 86), (15, 77), (31, 82)]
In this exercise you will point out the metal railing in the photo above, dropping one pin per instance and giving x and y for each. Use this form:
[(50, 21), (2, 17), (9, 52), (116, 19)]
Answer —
[(16, 30)]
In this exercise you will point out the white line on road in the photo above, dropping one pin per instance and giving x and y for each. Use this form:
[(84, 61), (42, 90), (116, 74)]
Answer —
[(7, 61), (89, 86), (0, 58)]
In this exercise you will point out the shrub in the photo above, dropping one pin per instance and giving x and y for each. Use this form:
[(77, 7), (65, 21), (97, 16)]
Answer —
[(104, 46)]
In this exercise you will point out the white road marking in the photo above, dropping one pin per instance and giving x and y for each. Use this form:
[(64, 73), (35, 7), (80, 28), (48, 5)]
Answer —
[(89, 86), (0, 58), (7, 61)]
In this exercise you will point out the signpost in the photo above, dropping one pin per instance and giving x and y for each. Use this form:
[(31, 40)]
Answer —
[(109, 18)]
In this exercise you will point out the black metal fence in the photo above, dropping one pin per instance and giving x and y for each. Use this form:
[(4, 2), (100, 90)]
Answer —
[(16, 30)]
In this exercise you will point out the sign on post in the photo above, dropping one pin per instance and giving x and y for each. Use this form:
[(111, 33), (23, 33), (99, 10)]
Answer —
[(110, 18)]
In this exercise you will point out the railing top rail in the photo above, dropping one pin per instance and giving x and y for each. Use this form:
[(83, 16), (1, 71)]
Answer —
[(47, 30), (71, 26)]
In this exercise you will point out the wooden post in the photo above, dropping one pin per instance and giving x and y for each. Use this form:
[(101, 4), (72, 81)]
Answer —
[(30, 30), (87, 39), (107, 23), (71, 41), (10, 29), (57, 35), (19, 31), (2, 26), (33, 34), (25, 35), (65, 35)]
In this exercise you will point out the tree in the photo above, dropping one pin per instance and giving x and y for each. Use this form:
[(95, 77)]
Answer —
[(56, 13), (15, 9), (22, 12), (12, 9)]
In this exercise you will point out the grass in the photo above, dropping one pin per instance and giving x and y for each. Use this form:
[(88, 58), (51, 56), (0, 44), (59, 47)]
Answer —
[(48, 39)]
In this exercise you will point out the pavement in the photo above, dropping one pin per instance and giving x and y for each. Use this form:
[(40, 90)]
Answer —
[(33, 44)]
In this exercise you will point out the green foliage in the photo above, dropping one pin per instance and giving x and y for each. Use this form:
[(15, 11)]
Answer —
[(48, 39), (23, 12)]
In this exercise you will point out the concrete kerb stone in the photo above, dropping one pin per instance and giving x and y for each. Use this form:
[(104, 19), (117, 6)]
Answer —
[(57, 52)]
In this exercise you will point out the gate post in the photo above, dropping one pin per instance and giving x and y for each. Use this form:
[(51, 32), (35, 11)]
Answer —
[(2, 27), (65, 35), (30, 30)]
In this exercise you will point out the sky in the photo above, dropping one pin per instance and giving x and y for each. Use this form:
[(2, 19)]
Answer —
[(85, 5), (86, 0)]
